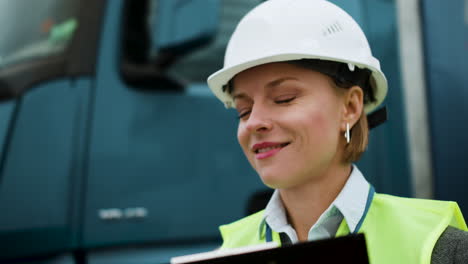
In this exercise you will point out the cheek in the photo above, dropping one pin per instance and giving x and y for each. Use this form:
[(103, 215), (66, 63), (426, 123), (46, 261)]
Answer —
[(242, 137), (320, 125), (327, 109)]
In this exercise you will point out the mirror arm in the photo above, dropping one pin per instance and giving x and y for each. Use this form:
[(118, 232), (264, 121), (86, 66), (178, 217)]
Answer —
[(148, 77)]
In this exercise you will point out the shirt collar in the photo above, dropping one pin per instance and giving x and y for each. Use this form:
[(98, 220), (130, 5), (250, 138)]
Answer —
[(351, 203), (275, 213), (352, 199)]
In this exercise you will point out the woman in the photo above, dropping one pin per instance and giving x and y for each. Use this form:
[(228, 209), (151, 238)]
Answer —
[(302, 78)]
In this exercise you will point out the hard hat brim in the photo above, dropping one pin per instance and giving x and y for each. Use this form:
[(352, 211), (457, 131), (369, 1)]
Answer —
[(217, 80)]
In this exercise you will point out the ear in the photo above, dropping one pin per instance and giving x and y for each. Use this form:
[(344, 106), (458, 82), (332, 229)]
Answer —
[(353, 106)]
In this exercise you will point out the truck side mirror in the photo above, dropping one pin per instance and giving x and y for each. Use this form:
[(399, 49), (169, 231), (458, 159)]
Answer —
[(182, 25), (159, 32)]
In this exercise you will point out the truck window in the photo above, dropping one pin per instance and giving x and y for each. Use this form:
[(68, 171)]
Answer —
[(195, 67), (35, 29), (144, 67)]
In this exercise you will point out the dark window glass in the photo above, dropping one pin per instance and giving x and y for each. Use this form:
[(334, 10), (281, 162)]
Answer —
[(198, 65)]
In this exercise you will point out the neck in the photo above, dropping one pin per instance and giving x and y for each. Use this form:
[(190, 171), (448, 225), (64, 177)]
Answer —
[(305, 203)]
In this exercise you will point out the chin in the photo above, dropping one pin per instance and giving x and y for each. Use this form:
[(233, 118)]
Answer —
[(282, 179), (274, 181)]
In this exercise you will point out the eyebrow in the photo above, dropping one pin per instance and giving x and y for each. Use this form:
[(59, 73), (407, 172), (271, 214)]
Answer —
[(279, 81), (270, 85)]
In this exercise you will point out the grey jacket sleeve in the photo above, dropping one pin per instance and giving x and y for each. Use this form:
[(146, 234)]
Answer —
[(451, 248)]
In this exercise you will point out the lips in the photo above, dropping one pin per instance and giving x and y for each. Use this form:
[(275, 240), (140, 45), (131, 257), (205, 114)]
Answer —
[(267, 149)]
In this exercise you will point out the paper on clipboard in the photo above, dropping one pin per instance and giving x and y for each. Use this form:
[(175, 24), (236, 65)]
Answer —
[(222, 253)]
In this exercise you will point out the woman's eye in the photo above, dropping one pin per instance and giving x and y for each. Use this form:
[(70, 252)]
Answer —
[(286, 100), (243, 114)]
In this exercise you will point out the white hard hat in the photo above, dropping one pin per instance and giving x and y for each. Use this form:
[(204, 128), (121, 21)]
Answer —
[(285, 30)]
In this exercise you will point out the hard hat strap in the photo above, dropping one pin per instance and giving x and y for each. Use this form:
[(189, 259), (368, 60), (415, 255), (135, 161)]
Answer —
[(377, 117)]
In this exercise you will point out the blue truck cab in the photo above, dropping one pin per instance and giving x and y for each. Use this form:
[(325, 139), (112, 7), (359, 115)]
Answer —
[(112, 147)]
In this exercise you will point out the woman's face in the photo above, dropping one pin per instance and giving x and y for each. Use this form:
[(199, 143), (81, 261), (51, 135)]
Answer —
[(290, 123)]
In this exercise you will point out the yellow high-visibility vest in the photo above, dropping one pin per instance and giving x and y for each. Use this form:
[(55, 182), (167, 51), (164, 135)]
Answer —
[(397, 230)]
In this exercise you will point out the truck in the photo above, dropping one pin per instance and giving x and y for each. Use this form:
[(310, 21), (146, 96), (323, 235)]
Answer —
[(112, 147)]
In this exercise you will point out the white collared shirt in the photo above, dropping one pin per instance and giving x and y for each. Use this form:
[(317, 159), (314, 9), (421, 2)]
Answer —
[(350, 204)]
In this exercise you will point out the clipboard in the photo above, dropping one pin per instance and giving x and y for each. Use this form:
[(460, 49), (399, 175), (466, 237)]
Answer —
[(347, 249)]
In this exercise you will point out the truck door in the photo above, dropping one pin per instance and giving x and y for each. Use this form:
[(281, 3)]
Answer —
[(164, 163), (46, 66)]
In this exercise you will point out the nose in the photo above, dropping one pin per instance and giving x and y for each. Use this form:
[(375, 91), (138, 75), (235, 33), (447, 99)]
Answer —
[(258, 121)]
